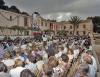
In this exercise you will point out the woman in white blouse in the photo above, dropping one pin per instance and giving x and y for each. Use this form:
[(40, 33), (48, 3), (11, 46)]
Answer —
[(15, 72)]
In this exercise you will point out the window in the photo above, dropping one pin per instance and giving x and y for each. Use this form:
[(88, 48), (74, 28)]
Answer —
[(84, 26), (25, 21), (77, 26), (64, 27), (84, 32), (41, 23), (71, 32), (70, 27), (51, 25), (10, 18), (45, 24), (77, 32)]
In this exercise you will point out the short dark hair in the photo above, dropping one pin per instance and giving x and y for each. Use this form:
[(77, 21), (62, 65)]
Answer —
[(84, 68), (32, 59), (38, 57), (3, 67), (89, 52), (27, 73), (64, 57), (47, 69)]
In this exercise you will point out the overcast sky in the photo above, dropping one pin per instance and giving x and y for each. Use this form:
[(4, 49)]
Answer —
[(59, 9)]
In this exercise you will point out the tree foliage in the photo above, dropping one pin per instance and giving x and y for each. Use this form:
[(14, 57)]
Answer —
[(3, 6), (48, 31), (25, 13), (75, 20), (96, 23), (14, 9), (37, 13), (62, 33), (2, 3)]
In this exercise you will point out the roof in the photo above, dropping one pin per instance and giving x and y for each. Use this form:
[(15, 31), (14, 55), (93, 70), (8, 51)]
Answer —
[(1, 10), (82, 21)]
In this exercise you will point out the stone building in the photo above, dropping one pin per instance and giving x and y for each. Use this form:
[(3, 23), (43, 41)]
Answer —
[(10, 19), (85, 27)]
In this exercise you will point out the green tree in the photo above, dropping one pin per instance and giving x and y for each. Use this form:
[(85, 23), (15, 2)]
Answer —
[(5, 7), (75, 20), (62, 33), (37, 13), (25, 13), (96, 22), (14, 9), (2, 3), (49, 31)]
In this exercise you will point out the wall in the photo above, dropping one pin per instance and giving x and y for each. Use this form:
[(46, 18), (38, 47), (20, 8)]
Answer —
[(9, 19)]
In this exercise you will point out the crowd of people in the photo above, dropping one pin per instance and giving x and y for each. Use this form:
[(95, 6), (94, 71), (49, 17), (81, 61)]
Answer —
[(48, 58)]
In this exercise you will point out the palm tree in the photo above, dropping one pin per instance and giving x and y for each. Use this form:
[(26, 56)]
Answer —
[(75, 20)]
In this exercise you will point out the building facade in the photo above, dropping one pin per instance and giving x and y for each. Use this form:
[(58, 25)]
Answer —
[(9, 19), (85, 27)]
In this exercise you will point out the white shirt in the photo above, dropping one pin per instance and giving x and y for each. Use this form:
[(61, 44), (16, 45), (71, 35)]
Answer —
[(31, 66), (91, 71), (24, 46), (82, 42), (76, 53), (22, 59), (9, 62), (90, 48), (15, 48), (40, 65), (94, 63), (71, 45), (45, 38), (16, 71), (58, 55), (65, 50), (58, 72)]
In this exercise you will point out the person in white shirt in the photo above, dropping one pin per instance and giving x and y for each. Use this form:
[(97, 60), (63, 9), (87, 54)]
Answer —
[(70, 54), (39, 62), (43, 53), (8, 61), (18, 68), (92, 65), (61, 51), (18, 56), (44, 40), (32, 64), (3, 70), (76, 51), (27, 73)]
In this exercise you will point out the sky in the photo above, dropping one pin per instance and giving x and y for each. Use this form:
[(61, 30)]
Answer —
[(59, 9)]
